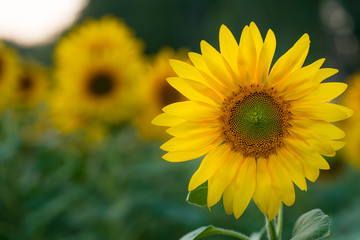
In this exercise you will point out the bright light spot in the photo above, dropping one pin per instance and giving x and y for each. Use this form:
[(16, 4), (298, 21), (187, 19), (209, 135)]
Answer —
[(36, 22)]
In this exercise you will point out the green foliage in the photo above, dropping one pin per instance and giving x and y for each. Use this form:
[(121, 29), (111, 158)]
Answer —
[(211, 230), (198, 196), (311, 226)]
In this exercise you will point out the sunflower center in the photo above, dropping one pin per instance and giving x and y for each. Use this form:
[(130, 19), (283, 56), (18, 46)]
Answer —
[(101, 84), (26, 83), (255, 120)]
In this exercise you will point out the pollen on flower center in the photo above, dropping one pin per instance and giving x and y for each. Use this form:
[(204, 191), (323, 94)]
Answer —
[(101, 84), (255, 120)]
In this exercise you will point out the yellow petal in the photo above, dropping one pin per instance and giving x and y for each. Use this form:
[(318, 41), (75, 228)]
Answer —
[(228, 47), (256, 36), (217, 66), (311, 173), (187, 129), (328, 112), (312, 143), (245, 183), (324, 73), (326, 92), (199, 63), (228, 198), (166, 120), (294, 167), (192, 111), (195, 91), (247, 56), (189, 155), (191, 143), (266, 56), (281, 181), (337, 144), (306, 153), (274, 205), (222, 178), (291, 60), (263, 185), (185, 70), (321, 128), (301, 82), (209, 165)]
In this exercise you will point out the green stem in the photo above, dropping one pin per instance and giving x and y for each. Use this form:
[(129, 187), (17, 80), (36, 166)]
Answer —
[(270, 227), (279, 222), (232, 233)]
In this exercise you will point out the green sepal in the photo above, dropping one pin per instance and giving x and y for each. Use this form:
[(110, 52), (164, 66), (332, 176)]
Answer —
[(312, 225), (198, 196)]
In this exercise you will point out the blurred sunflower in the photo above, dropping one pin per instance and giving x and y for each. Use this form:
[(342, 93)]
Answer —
[(352, 125), (97, 69), (260, 130), (97, 36), (31, 86), (9, 71), (157, 93)]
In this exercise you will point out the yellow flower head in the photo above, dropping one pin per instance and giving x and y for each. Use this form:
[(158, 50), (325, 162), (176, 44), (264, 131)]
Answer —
[(9, 71), (157, 93), (352, 125), (98, 67), (96, 37), (260, 130), (31, 86)]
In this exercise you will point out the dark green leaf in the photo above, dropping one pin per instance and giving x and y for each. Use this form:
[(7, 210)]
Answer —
[(198, 196), (211, 230), (311, 226)]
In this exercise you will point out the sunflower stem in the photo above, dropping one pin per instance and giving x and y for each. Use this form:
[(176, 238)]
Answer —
[(270, 228), (279, 222)]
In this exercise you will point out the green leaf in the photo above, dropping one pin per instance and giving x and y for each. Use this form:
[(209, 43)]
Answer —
[(198, 196), (311, 226), (211, 230), (258, 235)]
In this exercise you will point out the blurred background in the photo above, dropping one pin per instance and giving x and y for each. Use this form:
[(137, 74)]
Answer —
[(79, 158)]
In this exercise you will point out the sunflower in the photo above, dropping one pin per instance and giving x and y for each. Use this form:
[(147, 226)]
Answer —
[(97, 36), (351, 125), (260, 130), (157, 93), (31, 86), (97, 69), (9, 71)]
